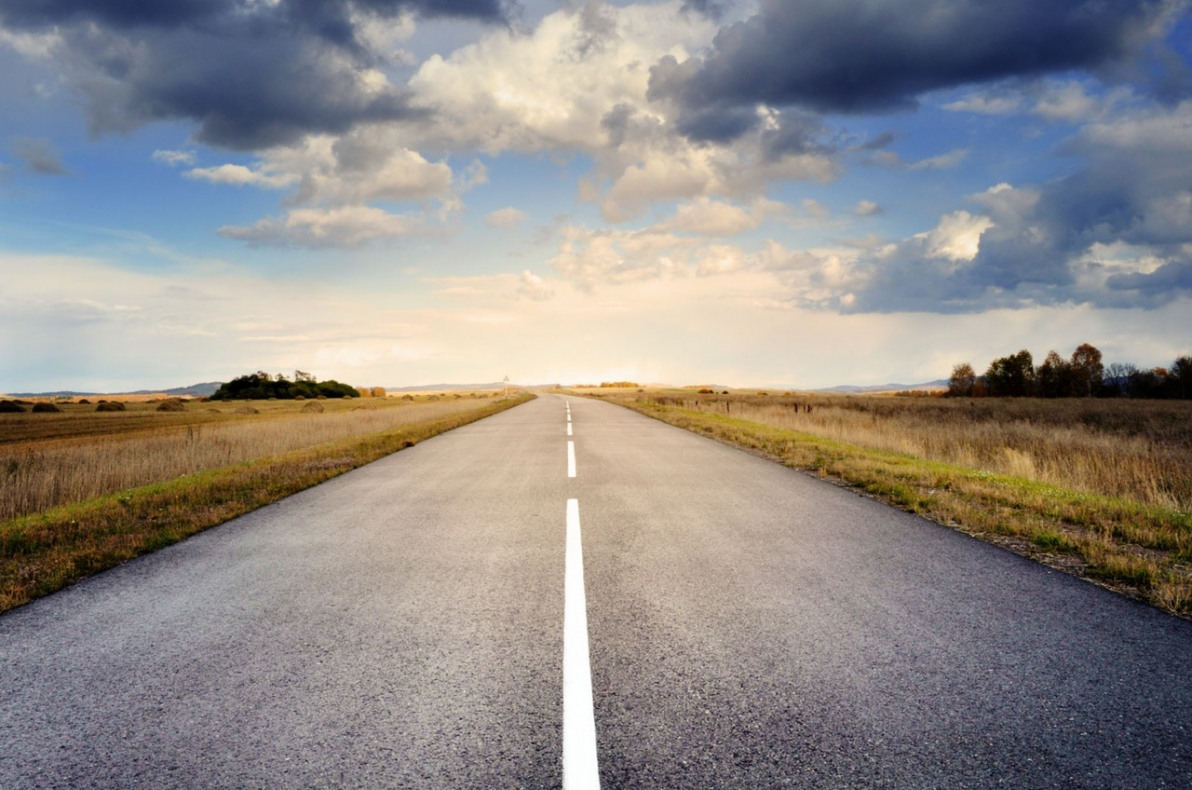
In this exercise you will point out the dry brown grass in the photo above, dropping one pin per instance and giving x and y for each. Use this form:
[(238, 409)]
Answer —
[(1140, 450), (88, 454), (1095, 488)]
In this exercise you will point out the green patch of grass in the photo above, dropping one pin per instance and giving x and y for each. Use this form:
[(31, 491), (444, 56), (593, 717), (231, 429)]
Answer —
[(44, 552)]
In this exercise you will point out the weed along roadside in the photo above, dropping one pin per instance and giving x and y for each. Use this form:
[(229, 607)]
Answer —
[(1131, 544), (45, 551)]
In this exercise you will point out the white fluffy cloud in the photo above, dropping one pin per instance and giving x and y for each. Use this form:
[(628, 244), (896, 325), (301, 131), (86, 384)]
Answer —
[(239, 175), (707, 217), (335, 179), (579, 82)]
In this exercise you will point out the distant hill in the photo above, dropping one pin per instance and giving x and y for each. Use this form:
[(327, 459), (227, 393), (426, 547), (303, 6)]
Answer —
[(938, 384), (194, 391), (57, 394), (499, 385)]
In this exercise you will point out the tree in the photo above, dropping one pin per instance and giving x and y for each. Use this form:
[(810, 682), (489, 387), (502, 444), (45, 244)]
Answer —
[(960, 385), (1148, 383), (1180, 378), (1012, 376), (1087, 371), (1053, 379)]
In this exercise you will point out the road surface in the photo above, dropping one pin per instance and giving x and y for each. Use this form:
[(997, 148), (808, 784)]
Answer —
[(569, 589)]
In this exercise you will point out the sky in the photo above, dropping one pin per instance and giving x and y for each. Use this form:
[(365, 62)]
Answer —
[(796, 193)]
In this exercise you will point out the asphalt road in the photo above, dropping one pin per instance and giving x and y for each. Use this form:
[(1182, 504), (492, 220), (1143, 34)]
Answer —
[(403, 626)]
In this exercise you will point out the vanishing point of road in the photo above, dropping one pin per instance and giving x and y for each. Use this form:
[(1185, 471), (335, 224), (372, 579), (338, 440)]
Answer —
[(571, 594)]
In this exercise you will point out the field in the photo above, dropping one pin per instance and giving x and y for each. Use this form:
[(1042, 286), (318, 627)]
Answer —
[(48, 460), (1098, 488), (81, 490)]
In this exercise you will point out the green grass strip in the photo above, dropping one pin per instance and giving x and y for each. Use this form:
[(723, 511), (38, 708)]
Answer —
[(44, 552)]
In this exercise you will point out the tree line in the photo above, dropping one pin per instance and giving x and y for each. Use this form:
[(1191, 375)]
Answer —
[(1081, 376), (262, 386)]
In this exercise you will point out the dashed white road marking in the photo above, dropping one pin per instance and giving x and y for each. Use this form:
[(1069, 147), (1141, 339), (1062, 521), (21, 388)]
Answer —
[(571, 459), (569, 429), (580, 767)]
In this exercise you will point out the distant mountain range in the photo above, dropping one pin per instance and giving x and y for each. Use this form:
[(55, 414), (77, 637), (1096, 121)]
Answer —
[(194, 391), (499, 385), (846, 388)]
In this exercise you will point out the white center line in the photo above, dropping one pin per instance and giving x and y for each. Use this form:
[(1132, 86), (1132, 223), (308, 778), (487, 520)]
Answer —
[(580, 768), (571, 459)]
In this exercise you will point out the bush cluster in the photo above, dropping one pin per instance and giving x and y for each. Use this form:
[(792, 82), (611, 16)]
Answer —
[(263, 386)]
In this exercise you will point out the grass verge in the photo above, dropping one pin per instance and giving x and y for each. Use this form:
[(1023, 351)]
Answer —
[(1140, 550), (44, 552)]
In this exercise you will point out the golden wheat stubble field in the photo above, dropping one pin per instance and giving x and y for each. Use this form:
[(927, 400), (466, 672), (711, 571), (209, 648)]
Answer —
[(83, 490), (1098, 488)]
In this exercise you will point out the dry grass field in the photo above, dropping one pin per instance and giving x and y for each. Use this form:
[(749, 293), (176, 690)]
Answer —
[(49, 460), (81, 490), (1099, 488), (1136, 449)]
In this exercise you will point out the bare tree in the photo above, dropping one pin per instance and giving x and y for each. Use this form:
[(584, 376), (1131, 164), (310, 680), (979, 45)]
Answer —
[(962, 381)]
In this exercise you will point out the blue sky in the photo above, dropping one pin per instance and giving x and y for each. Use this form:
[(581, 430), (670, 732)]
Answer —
[(747, 193)]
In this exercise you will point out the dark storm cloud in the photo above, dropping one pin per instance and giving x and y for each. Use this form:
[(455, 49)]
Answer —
[(314, 14), (876, 55), (250, 74)]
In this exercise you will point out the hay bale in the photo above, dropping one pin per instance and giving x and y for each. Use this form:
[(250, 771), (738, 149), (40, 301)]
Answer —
[(84, 400), (171, 404), (322, 397), (313, 408), (45, 408), (299, 397), (407, 397), (11, 407), (433, 398), (246, 410), (109, 405)]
